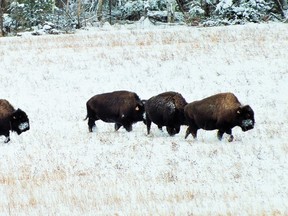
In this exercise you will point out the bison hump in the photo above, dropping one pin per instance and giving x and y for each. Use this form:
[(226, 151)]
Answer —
[(179, 101), (6, 109), (222, 101)]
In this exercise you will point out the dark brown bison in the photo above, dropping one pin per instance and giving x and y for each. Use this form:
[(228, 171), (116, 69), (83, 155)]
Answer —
[(166, 109), (221, 111), (120, 107), (12, 120)]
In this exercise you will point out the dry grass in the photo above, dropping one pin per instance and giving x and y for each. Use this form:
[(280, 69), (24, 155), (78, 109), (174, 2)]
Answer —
[(57, 168)]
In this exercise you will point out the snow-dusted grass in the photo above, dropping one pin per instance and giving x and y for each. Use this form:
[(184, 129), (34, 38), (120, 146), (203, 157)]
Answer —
[(58, 168)]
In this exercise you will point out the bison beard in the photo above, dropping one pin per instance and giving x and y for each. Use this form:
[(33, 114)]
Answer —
[(221, 111), (120, 107), (166, 109)]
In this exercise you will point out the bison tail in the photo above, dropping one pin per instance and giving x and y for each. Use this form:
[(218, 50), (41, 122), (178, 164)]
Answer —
[(88, 111)]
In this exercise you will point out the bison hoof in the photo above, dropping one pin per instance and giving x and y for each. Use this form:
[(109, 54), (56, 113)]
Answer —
[(128, 128), (92, 129), (117, 126), (171, 131), (186, 135), (230, 138), (160, 128)]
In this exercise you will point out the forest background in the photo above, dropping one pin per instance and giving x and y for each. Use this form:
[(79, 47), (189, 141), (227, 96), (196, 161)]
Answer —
[(64, 16)]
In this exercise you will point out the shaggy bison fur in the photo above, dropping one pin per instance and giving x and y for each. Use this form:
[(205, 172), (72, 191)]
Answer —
[(120, 107), (166, 109), (221, 111)]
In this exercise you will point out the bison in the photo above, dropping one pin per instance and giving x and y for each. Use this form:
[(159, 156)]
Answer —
[(221, 111), (12, 120), (166, 109), (120, 107)]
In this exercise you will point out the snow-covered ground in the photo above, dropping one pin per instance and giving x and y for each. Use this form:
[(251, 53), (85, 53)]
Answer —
[(58, 168)]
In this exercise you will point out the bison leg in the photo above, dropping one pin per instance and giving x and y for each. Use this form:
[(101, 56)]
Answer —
[(171, 131), (187, 132), (128, 127), (91, 124), (148, 125), (191, 131), (7, 138), (229, 131), (231, 138), (177, 129), (220, 134), (117, 126)]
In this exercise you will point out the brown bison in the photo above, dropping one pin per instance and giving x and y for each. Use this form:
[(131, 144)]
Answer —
[(221, 111), (166, 109), (12, 120), (120, 107)]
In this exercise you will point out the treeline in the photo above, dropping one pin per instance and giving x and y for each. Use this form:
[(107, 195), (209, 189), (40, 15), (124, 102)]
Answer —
[(67, 15)]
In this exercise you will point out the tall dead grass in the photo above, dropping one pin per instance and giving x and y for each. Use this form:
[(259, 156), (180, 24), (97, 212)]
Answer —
[(58, 169)]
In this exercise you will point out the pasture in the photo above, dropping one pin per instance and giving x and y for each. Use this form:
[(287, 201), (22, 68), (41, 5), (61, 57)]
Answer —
[(59, 168)]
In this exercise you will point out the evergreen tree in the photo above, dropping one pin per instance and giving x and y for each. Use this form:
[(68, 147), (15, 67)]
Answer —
[(28, 13)]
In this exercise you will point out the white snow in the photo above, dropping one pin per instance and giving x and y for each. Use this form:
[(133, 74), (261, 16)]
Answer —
[(59, 168), (224, 4), (23, 126)]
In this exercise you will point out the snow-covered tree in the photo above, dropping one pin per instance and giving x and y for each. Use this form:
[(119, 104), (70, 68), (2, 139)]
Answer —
[(132, 10), (28, 13), (1, 19), (282, 7), (243, 10), (229, 12), (69, 14)]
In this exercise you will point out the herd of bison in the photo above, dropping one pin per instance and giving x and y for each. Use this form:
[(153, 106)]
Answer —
[(221, 111)]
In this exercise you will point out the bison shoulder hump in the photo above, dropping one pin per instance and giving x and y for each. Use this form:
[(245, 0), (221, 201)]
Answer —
[(179, 101), (5, 108), (229, 101)]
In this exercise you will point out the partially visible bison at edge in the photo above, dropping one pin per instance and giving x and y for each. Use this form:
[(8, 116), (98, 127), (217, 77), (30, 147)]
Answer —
[(221, 111), (12, 120), (166, 109), (120, 107)]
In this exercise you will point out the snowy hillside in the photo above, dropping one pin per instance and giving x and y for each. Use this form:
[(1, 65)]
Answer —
[(58, 168)]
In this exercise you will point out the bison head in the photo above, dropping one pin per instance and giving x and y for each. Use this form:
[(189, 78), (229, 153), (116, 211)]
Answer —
[(19, 121), (139, 112), (246, 118)]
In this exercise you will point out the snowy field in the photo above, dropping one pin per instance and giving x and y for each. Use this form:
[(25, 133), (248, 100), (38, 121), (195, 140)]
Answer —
[(59, 168)]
